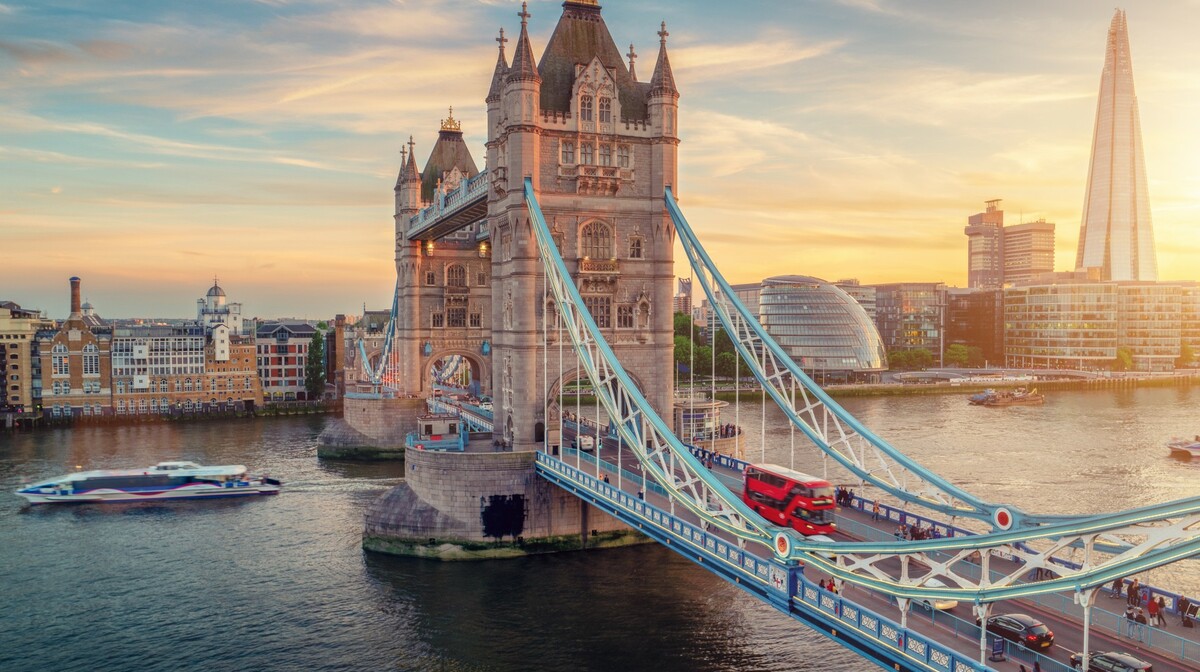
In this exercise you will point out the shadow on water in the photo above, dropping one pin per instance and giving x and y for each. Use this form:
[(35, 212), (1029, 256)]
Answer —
[(638, 608)]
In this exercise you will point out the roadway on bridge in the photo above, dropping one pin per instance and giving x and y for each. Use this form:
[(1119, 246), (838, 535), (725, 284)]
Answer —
[(955, 628)]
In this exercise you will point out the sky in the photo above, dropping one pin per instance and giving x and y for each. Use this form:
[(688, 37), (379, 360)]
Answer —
[(149, 147)]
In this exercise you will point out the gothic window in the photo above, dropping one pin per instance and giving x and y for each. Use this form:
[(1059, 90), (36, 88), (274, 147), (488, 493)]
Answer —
[(66, 387), (476, 320), (430, 278), (456, 276), (605, 110), (568, 152), (624, 317), (481, 279), (635, 248), (456, 317), (438, 320), (187, 385), (153, 405), (585, 108), (606, 155), (178, 385), (57, 387), (596, 241), (121, 407), (162, 385), (585, 154), (601, 309), (622, 156), (121, 388), (164, 404), (91, 360)]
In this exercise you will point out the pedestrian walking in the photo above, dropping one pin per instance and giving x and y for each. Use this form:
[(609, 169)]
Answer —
[(1118, 587), (1162, 612), (1131, 593), (1152, 611), (1130, 623), (875, 510), (1037, 667), (1184, 605)]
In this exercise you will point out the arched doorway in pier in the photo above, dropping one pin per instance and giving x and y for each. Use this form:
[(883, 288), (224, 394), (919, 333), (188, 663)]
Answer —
[(571, 388), (455, 370)]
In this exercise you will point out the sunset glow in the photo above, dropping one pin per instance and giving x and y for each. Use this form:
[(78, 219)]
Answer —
[(147, 147)]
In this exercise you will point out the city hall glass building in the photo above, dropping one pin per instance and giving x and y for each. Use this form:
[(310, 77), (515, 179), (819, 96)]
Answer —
[(822, 328)]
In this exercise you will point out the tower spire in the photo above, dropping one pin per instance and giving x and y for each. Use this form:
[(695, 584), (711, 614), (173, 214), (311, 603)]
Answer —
[(662, 82), (523, 66), (632, 55), (501, 71)]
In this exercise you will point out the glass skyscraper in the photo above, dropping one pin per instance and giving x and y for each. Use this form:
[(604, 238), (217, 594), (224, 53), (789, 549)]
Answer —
[(1116, 235)]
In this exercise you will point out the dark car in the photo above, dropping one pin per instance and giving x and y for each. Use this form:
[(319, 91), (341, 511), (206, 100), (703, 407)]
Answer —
[(1023, 629), (1111, 662)]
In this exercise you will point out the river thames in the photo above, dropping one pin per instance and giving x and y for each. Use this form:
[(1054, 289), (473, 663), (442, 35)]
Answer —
[(281, 583)]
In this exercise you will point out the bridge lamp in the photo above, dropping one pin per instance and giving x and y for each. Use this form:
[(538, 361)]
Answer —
[(483, 249), (429, 248)]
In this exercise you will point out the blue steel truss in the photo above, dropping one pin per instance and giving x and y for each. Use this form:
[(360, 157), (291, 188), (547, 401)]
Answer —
[(1113, 545), (375, 375)]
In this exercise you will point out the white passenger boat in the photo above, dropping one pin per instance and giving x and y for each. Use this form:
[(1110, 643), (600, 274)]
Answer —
[(165, 480), (1185, 447)]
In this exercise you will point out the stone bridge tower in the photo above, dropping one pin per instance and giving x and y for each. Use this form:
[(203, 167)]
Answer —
[(443, 286), (600, 148)]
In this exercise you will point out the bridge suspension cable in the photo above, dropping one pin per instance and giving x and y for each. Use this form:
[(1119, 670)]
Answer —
[(1112, 545), (384, 370)]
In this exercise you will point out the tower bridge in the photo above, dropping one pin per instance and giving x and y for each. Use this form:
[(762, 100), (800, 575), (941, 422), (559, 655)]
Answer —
[(554, 264)]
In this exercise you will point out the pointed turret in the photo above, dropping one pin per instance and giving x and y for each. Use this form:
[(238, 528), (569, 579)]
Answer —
[(408, 186), (501, 72), (662, 82), (523, 66), (632, 57)]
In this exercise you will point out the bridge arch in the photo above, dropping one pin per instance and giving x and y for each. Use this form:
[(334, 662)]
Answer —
[(479, 372)]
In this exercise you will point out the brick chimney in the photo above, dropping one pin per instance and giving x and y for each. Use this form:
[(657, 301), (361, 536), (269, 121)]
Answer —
[(76, 310)]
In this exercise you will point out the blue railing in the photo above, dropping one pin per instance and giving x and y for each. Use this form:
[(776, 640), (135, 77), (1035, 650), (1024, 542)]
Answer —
[(783, 586)]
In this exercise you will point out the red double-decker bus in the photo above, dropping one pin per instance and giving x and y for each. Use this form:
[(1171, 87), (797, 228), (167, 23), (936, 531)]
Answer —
[(790, 498)]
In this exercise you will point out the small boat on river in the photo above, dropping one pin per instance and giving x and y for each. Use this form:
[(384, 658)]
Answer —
[(979, 398), (1018, 397), (1188, 448), (165, 480)]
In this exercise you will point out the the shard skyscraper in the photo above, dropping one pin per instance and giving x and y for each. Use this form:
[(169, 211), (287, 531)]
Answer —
[(1116, 235)]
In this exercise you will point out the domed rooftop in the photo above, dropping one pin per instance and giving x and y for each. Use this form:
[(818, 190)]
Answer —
[(216, 289)]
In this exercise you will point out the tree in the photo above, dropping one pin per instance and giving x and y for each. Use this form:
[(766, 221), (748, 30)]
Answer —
[(957, 355), (314, 367), (910, 360), (721, 342), (683, 325), (975, 356), (727, 365), (1186, 356), (683, 350), (704, 360), (1124, 359)]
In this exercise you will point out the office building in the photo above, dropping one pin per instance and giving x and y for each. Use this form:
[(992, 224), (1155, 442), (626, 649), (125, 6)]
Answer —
[(912, 316), (1116, 235)]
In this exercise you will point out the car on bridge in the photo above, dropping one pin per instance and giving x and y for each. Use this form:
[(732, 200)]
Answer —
[(939, 604), (1113, 661), (585, 443), (1022, 629)]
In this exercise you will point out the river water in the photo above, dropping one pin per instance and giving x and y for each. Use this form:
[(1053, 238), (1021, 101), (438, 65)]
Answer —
[(280, 583)]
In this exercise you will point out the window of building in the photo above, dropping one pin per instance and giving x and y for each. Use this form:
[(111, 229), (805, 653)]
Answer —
[(60, 363), (481, 279), (456, 276), (624, 317), (91, 360), (601, 309), (623, 156), (66, 387), (57, 387), (456, 317), (430, 278), (606, 155), (585, 108), (476, 320), (120, 407), (635, 248), (596, 241), (153, 405), (568, 152), (187, 385), (162, 385), (585, 154), (438, 320), (120, 387), (605, 110)]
